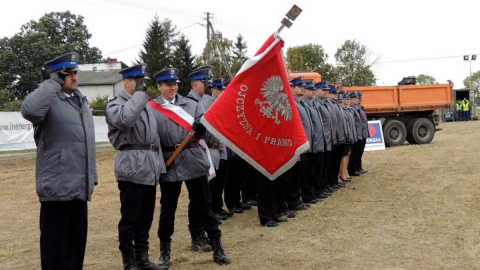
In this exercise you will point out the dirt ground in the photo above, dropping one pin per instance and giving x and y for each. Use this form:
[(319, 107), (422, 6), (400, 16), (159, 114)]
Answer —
[(418, 207)]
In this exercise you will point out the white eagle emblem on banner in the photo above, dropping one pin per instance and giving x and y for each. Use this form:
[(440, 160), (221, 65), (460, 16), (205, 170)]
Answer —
[(276, 102)]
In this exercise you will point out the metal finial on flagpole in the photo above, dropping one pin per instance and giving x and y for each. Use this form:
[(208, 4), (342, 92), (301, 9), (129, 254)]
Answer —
[(290, 17)]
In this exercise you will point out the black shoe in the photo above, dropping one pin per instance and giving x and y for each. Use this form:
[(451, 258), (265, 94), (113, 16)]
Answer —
[(280, 219), (236, 210), (362, 171), (226, 213), (245, 206), (307, 205), (251, 203), (220, 216), (356, 173), (324, 195), (299, 207), (291, 214), (270, 223)]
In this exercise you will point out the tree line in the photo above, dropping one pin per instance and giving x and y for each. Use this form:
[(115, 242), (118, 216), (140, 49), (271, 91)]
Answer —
[(55, 33)]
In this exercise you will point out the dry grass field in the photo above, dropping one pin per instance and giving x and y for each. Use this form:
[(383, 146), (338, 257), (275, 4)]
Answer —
[(417, 208)]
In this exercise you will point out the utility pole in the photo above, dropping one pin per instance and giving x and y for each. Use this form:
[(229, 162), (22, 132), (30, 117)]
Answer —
[(208, 38)]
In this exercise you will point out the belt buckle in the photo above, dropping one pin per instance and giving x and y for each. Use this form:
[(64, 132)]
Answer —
[(152, 147), (176, 146)]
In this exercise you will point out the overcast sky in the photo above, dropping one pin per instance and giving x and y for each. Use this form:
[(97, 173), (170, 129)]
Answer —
[(408, 37)]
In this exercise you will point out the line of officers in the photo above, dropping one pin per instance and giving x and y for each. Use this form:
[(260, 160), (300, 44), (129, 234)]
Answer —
[(147, 135), (336, 126)]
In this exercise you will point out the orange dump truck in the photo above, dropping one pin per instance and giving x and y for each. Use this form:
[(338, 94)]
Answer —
[(408, 112)]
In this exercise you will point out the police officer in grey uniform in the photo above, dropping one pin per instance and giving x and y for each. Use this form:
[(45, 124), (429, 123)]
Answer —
[(338, 149), (190, 166), (217, 149), (330, 137), (132, 129), (314, 158), (297, 173), (66, 170)]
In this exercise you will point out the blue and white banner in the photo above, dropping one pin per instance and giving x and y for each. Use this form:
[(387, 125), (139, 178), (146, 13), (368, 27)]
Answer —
[(375, 141)]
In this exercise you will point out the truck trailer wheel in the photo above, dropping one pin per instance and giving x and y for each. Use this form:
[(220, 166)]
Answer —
[(420, 131), (394, 132)]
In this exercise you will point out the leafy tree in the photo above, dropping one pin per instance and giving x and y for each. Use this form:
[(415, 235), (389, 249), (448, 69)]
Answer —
[(184, 61), (426, 79), (23, 55), (353, 64), (212, 52), (309, 58), (474, 85), (158, 46), (98, 105), (239, 54), (8, 102)]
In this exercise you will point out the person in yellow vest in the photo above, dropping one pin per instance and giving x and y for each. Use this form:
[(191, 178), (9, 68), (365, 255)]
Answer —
[(458, 110), (466, 109)]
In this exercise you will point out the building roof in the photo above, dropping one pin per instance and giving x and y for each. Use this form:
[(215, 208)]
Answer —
[(106, 77)]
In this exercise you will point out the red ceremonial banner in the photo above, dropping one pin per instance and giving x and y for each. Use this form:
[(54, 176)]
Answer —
[(256, 115)]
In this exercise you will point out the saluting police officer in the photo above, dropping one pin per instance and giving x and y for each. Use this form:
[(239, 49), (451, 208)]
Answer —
[(132, 129), (178, 115), (66, 163)]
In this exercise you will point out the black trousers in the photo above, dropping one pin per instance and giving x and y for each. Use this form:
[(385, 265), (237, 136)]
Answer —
[(292, 186), (137, 208), (363, 142), (217, 185), (334, 166), (63, 234), (236, 168), (354, 160), (199, 209), (318, 164), (269, 196), (249, 187), (307, 182)]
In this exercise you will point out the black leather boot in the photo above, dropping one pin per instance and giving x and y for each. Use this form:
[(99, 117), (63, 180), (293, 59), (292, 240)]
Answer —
[(129, 262), (198, 242), (141, 258), (164, 260), (219, 255)]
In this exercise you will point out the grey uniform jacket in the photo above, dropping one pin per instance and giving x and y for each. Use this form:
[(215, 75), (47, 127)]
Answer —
[(217, 149), (358, 121), (340, 124), (192, 162), (364, 119), (350, 127), (65, 138), (306, 121), (318, 139), (130, 123), (326, 121)]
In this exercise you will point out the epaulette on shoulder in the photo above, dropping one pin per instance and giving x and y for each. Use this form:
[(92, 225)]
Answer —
[(192, 98), (112, 99)]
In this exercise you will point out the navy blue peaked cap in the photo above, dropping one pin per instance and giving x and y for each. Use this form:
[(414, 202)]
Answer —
[(137, 71), (354, 94), (322, 85), (67, 60), (203, 73), (340, 98), (333, 89), (167, 75), (309, 85), (297, 81), (218, 84)]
